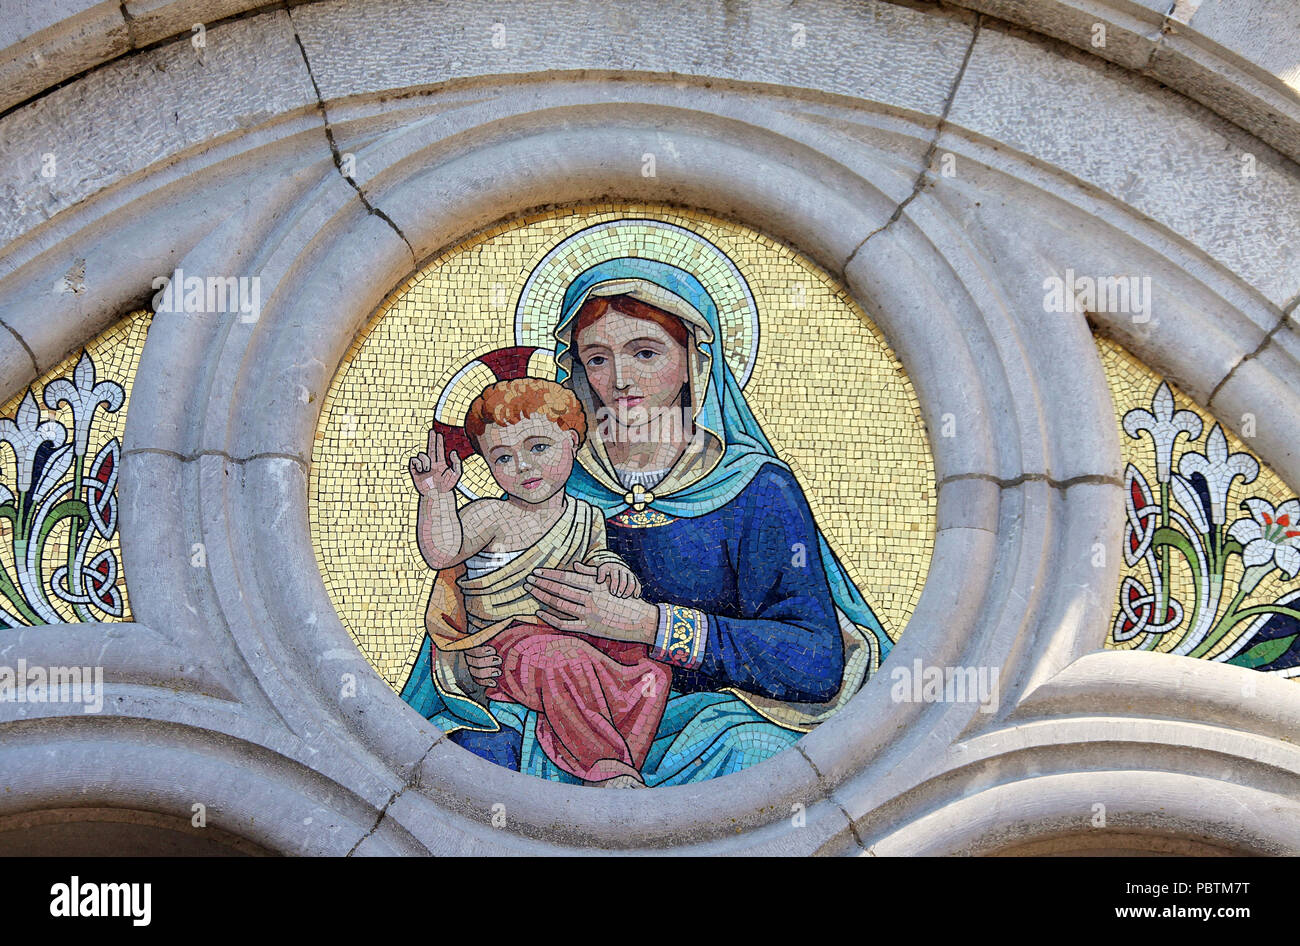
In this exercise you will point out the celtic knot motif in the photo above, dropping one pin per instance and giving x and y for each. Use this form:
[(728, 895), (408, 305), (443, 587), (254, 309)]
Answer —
[(1138, 606)]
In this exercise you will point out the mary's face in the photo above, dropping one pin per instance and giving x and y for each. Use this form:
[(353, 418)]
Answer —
[(636, 368)]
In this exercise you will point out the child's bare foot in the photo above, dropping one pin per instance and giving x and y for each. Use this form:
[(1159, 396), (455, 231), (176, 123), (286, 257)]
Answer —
[(619, 781), (624, 781)]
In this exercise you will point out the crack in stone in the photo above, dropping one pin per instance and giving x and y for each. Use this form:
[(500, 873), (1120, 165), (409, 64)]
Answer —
[(1168, 20), (1181, 11), (410, 783), (128, 19), (238, 461), (853, 829), (134, 49), (22, 341), (928, 157), (1166, 24), (1095, 479), (1268, 337), (830, 797), (375, 827), (334, 148)]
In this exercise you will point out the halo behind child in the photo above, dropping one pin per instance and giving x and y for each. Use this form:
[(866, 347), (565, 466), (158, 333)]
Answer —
[(503, 364)]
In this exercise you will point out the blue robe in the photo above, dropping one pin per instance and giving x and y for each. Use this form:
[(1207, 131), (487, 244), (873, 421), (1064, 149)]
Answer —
[(754, 567)]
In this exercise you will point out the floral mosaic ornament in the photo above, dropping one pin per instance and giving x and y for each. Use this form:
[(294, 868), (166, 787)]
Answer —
[(1205, 581), (61, 506)]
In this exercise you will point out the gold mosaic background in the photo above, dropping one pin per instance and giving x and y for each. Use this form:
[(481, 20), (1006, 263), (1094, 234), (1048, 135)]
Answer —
[(116, 354), (1132, 385), (830, 394)]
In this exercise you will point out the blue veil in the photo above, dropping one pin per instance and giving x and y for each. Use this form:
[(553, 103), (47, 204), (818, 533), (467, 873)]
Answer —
[(736, 448)]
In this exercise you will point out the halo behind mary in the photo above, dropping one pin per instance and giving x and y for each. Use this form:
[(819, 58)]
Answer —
[(538, 308)]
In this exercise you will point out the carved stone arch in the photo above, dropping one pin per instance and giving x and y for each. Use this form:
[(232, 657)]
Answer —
[(224, 412)]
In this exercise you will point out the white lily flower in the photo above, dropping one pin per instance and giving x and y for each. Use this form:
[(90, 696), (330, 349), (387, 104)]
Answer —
[(84, 397), (1219, 469), (1164, 424), (1270, 536), (26, 437)]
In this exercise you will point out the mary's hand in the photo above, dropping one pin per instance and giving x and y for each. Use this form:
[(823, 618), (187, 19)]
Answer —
[(577, 601)]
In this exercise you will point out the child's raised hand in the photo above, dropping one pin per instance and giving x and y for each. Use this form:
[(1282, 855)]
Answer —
[(620, 579), (437, 472)]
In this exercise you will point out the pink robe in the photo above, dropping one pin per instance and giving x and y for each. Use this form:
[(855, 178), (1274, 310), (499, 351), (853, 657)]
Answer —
[(599, 702)]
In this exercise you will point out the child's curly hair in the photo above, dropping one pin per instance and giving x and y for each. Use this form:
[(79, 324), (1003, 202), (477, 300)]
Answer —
[(509, 402)]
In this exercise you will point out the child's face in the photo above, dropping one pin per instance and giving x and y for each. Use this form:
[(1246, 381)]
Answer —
[(530, 460)]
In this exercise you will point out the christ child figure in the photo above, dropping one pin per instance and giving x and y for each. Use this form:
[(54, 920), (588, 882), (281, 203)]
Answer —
[(599, 702)]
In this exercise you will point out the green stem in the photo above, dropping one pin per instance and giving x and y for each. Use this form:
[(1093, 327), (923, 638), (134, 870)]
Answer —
[(7, 586), (1167, 538), (63, 509), (1164, 552), (1259, 609), (74, 509), (1245, 614), (74, 533), (1231, 617), (15, 598), (20, 557)]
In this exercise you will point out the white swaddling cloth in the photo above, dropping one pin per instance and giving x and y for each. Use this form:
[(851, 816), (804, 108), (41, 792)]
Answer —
[(485, 562)]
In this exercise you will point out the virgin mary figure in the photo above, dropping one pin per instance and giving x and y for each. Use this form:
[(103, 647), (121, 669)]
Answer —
[(765, 631)]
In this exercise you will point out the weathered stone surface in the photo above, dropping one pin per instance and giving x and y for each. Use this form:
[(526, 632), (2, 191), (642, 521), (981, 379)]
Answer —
[(1169, 159), (1261, 394), (249, 73), (1259, 31), (42, 44), (1123, 33), (243, 677), (841, 48), (154, 20)]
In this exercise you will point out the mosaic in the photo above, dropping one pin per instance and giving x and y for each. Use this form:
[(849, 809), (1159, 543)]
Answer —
[(59, 551), (622, 495), (1212, 536)]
